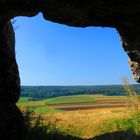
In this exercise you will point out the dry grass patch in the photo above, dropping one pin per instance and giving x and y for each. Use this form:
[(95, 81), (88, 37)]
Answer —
[(84, 124)]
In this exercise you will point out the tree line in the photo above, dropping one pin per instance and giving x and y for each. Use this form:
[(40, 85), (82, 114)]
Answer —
[(42, 92)]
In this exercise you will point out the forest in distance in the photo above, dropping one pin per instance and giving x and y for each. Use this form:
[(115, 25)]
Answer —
[(43, 92)]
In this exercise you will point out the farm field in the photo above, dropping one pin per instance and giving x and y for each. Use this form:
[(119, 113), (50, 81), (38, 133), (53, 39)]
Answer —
[(73, 103), (84, 116)]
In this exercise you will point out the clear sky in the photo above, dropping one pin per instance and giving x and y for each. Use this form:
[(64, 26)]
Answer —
[(54, 54)]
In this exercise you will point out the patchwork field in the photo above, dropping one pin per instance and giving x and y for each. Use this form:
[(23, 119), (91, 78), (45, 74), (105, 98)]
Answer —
[(79, 103), (86, 102), (73, 103), (84, 116)]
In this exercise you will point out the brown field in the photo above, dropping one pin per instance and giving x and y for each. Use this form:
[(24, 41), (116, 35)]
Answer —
[(99, 110), (89, 105)]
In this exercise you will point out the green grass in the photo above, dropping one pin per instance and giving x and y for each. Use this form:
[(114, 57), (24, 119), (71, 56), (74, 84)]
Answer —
[(82, 98), (72, 99), (131, 124), (38, 106), (45, 110), (31, 103), (24, 99)]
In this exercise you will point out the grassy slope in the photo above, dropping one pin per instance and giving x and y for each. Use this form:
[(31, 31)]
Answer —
[(38, 106), (25, 102), (81, 100), (24, 99), (71, 99)]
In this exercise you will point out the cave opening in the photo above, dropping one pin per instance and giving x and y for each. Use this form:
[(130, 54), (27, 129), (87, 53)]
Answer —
[(50, 54), (121, 15), (54, 54)]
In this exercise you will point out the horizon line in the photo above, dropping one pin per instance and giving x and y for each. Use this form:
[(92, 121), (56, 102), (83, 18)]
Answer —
[(84, 85)]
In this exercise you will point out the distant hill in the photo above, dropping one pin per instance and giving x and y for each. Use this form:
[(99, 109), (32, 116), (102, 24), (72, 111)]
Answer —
[(42, 92)]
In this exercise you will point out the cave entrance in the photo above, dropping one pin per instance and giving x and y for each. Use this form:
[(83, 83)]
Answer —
[(55, 54)]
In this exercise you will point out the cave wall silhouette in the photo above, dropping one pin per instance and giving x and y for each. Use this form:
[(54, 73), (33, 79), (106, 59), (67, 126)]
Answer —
[(121, 15)]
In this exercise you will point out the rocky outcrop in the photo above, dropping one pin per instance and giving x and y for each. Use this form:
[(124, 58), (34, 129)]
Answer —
[(122, 15), (11, 120)]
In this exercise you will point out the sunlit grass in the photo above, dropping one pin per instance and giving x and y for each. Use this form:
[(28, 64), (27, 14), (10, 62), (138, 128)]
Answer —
[(87, 124)]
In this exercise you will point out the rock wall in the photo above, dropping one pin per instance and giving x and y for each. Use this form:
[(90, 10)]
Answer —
[(11, 120), (122, 15)]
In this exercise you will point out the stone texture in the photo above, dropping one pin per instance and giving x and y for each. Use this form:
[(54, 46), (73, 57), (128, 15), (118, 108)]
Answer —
[(122, 15), (9, 75), (11, 120), (135, 68)]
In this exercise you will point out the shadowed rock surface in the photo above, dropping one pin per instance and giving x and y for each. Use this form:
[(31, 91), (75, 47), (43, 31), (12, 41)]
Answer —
[(11, 120), (119, 135), (122, 15)]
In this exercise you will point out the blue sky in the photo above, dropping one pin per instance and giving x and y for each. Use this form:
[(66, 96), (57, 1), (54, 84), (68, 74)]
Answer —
[(54, 54)]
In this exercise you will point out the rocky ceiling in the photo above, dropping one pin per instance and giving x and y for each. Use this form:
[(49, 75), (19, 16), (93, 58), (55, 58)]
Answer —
[(122, 15), (76, 12)]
